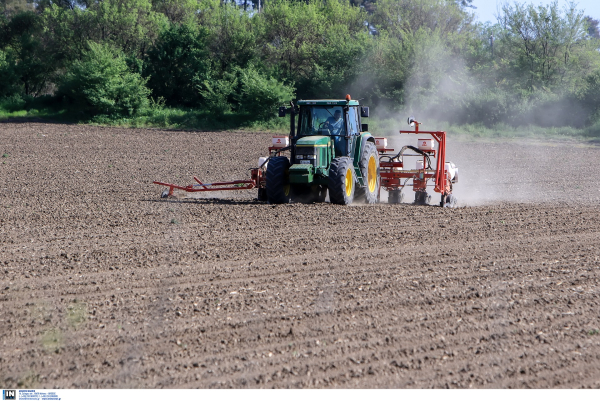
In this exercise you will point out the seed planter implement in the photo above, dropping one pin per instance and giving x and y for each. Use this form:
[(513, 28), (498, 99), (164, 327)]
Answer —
[(440, 174)]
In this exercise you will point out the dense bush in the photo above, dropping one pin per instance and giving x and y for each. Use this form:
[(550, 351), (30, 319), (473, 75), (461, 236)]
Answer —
[(8, 75), (248, 91), (101, 83), (260, 95), (177, 63)]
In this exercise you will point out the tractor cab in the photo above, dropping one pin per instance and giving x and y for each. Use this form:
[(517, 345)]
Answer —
[(338, 119)]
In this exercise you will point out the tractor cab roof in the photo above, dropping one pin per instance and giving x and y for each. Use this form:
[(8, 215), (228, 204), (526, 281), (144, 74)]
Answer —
[(328, 102)]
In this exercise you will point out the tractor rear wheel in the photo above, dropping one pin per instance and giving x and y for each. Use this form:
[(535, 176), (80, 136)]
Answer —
[(278, 185), (369, 167), (341, 181)]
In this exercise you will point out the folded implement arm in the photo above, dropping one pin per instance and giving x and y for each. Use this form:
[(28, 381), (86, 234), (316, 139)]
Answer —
[(255, 181)]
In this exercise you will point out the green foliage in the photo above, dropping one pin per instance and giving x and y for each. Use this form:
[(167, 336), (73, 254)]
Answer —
[(8, 74), (318, 45), (129, 25), (214, 63), (177, 63), (259, 95), (542, 45), (217, 93), (233, 39), (24, 49), (246, 91), (591, 96), (101, 83), (398, 17)]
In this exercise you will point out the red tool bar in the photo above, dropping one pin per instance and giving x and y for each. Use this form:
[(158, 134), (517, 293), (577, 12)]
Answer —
[(213, 186)]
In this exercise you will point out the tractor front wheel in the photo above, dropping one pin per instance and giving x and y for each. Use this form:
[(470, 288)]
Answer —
[(369, 167), (341, 181), (278, 185)]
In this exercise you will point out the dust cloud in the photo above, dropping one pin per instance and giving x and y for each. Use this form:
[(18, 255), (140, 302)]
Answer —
[(488, 173)]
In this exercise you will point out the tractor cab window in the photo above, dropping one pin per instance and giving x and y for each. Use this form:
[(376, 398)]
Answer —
[(322, 120), (353, 121)]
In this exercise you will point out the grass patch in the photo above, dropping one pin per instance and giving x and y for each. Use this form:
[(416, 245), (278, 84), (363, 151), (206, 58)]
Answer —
[(76, 314), (52, 340), (44, 108), (193, 119)]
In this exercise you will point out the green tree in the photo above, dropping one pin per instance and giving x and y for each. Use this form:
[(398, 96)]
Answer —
[(319, 46), (260, 95), (543, 45), (398, 17), (177, 63), (21, 37), (8, 75), (233, 39), (101, 83)]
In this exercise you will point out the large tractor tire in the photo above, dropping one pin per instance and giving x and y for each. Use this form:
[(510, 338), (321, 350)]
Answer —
[(278, 185), (342, 183), (369, 167)]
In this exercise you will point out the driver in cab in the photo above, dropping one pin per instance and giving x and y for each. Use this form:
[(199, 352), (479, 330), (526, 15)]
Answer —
[(335, 123)]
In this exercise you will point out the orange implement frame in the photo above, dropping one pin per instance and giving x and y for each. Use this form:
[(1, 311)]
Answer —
[(393, 173), (256, 180)]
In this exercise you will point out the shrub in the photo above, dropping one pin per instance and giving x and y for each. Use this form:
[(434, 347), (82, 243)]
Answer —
[(260, 95), (246, 91), (8, 76), (177, 63), (101, 83)]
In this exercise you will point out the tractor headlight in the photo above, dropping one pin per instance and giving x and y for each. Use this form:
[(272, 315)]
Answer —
[(312, 157), (299, 157)]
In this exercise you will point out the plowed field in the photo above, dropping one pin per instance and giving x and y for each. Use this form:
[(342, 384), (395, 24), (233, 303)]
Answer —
[(104, 284)]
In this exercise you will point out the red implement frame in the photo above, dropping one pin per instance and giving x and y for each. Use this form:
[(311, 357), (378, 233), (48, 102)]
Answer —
[(393, 173), (256, 180)]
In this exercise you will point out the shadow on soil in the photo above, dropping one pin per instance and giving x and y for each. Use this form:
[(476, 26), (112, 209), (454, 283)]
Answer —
[(208, 201)]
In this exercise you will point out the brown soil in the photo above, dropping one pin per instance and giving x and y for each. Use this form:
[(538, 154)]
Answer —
[(104, 284)]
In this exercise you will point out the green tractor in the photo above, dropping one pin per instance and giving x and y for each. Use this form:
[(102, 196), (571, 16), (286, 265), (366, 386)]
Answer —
[(330, 151)]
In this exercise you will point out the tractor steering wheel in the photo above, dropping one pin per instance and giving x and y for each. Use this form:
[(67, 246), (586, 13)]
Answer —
[(325, 125)]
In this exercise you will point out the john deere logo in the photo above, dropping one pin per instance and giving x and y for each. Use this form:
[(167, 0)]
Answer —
[(9, 394)]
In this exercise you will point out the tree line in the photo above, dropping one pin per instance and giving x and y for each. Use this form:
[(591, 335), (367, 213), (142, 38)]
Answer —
[(534, 65)]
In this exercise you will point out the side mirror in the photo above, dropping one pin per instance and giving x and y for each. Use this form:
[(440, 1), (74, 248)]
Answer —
[(411, 121), (282, 111), (364, 112), (364, 128)]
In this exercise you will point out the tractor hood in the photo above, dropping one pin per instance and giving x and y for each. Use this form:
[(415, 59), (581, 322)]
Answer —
[(315, 140)]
